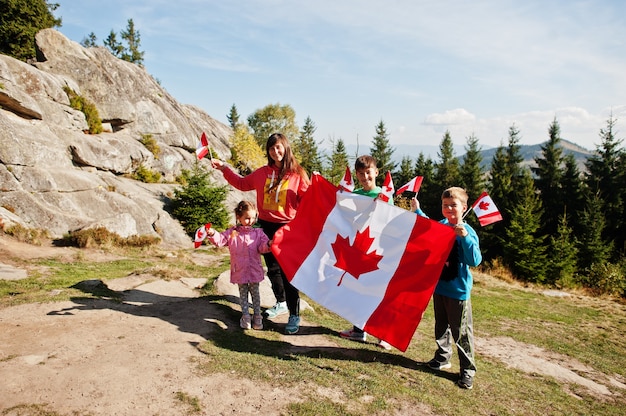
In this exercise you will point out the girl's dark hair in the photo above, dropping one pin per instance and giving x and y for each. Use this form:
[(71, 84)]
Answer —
[(244, 206), (290, 163)]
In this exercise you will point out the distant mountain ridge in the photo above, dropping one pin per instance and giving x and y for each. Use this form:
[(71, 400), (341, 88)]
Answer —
[(528, 152)]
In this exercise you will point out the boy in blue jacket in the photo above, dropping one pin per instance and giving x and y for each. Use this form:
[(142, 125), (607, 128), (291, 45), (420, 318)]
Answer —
[(451, 300)]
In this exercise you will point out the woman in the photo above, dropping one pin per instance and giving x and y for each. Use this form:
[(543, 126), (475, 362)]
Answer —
[(279, 186)]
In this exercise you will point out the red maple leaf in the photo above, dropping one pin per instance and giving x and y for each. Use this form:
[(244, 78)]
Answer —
[(354, 258), (484, 206)]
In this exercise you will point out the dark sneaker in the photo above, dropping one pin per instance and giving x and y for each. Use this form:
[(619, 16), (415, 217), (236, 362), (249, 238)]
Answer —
[(293, 325), (466, 381), (353, 335), (437, 365)]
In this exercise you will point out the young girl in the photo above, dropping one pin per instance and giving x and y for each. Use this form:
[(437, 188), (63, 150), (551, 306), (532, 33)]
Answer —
[(279, 186), (245, 245)]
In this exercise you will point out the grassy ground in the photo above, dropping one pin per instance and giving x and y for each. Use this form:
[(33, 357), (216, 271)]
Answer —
[(355, 379)]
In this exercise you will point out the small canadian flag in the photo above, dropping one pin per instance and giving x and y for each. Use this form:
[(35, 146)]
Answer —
[(412, 186), (203, 147), (486, 210), (346, 183), (387, 192), (201, 234)]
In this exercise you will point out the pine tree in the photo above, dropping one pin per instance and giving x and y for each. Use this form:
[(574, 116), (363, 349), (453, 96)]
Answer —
[(573, 193), (505, 182), (20, 20), (382, 151), (199, 201), (472, 171), (447, 171), (562, 255), (338, 160), (90, 41), (233, 117), (307, 148), (113, 45), (430, 192), (549, 176), (524, 248), (133, 39), (592, 248), (606, 178), (405, 174)]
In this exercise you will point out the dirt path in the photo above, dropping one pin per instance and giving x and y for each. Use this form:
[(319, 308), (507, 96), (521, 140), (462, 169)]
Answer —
[(105, 358)]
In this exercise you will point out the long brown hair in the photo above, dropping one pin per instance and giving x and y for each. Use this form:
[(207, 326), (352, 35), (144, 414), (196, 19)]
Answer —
[(290, 163)]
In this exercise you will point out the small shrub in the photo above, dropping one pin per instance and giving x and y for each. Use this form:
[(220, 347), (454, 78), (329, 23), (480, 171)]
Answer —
[(102, 237), (90, 111), (146, 175), (605, 279), (151, 144), (33, 236)]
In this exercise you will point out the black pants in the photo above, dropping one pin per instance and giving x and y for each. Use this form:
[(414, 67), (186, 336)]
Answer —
[(283, 290)]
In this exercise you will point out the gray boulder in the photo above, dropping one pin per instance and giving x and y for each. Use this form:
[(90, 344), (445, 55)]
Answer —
[(55, 176)]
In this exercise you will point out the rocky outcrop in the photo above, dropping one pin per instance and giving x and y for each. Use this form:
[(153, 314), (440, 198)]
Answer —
[(55, 176)]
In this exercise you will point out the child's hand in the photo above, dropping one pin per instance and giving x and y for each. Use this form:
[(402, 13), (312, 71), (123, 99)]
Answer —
[(460, 230), (415, 204)]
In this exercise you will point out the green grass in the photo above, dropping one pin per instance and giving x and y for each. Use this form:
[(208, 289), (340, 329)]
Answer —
[(348, 378)]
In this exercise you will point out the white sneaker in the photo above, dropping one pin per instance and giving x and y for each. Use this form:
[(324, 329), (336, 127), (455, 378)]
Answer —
[(279, 309), (384, 345), (353, 335)]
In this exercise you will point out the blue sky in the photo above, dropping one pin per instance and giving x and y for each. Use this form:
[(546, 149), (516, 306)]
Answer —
[(422, 67)]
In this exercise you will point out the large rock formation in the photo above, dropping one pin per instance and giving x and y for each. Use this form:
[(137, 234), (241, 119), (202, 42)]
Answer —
[(56, 177)]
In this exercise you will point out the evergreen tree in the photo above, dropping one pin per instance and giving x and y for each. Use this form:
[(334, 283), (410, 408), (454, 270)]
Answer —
[(199, 201), (338, 160), (592, 248), (505, 177), (472, 171), (382, 151), (524, 248), (405, 174), (606, 178), (307, 148), (549, 177), (132, 53), (562, 255), (90, 41), (20, 20), (430, 192), (113, 45), (273, 118), (233, 117), (573, 193), (447, 171)]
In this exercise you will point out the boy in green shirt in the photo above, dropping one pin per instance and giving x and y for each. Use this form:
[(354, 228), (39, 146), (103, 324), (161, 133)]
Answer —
[(366, 173)]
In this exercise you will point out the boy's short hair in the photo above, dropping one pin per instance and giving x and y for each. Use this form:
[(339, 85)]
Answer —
[(456, 193), (364, 162)]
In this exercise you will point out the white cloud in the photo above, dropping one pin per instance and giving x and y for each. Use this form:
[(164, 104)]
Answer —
[(450, 117)]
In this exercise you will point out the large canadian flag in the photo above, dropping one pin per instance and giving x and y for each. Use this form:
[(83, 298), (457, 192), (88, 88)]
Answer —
[(370, 262)]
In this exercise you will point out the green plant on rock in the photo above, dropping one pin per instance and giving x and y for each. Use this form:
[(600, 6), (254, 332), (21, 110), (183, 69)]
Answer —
[(151, 144), (80, 103), (146, 175)]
